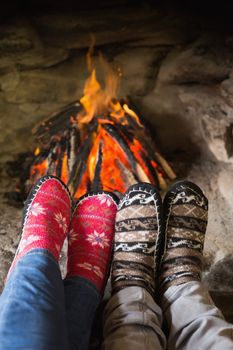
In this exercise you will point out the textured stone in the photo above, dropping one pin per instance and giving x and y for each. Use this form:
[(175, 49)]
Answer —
[(21, 47), (199, 63), (10, 81), (225, 183), (15, 128), (63, 83), (15, 37), (226, 90), (10, 223), (138, 76), (176, 68), (212, 117), (220, 276), (5, 261), (37, 57), (166, 38), (74, 30), (216, 132), (166, 113)]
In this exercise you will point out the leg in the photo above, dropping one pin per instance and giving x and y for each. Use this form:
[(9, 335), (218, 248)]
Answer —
[(192, 319), (89, 255), (200, 325), (132, 318), (82, 300), (32, 304), (32, 312)]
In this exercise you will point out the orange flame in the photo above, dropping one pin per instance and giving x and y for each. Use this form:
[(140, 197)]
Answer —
[(117, 172), (40, 169), (37, 151), (98, 100)]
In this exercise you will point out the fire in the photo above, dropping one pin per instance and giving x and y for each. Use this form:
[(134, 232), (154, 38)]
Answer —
[(40, 169), (102, 100), (98, 142), (37, 151), (132, 114)]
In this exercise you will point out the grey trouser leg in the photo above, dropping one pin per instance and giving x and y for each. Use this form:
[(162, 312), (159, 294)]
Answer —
[(193, 320), (132, 320)]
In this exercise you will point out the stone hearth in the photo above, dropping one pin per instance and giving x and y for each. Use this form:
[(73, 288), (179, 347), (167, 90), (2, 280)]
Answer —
[(177, 68)]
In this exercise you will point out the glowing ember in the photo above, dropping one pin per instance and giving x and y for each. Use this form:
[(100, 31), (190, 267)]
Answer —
[(98, 143)]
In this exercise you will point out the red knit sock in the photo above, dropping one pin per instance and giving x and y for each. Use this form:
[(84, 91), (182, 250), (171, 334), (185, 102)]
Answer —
[(46, 218), (91, 238)]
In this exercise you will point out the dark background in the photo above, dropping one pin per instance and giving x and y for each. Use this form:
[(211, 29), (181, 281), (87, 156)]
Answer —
[(212, 8)]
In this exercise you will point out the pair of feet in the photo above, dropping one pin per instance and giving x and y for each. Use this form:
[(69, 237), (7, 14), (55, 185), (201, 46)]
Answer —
[(146, 232), (49, 217), (159, 244)]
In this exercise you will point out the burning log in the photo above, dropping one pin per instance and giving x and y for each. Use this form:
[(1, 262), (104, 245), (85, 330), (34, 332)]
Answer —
[(105, 153), (97, 143)]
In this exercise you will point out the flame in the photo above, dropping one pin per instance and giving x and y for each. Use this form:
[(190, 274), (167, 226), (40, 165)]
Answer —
[(117, 158), (39, 169), (64, 170), (37, 151), (132, 114), (102, 100)]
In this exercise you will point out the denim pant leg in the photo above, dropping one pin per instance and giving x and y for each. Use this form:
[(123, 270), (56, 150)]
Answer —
[(82, 300), (32, 305), (132, 320), (193, 321)]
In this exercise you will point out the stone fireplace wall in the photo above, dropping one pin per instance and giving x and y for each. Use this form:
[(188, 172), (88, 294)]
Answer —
[(177, 69)]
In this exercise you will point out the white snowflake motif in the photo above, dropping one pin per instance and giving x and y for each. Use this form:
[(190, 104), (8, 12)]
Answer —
[(61, 220), (93, 268), (100, 239), (26, 241), (72, 236), (37, 209), (105, 199)]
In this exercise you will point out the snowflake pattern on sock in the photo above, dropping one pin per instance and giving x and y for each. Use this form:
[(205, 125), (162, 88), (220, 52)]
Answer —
[(46, 218), (91, 237)]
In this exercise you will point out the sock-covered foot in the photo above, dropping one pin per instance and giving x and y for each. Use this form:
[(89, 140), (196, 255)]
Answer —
[(185, 212), (46, 218), (137, 239), (91, 238)]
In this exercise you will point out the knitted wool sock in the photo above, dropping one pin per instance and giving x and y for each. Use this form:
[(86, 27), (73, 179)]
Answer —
[(137, 239), (46, 218), (91, 237), (185, 212)]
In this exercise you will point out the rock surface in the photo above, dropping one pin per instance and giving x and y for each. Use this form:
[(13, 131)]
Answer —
[(177, 71)]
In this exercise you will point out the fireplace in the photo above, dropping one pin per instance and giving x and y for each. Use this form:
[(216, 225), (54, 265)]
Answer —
[(176, 64), (104, 154), (97, 143)]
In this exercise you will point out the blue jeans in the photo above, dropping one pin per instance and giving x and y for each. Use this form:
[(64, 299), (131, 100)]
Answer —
[(39, 311)]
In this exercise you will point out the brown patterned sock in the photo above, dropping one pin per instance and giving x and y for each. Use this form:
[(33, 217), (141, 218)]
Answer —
[(137, 238), (185, 212)]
